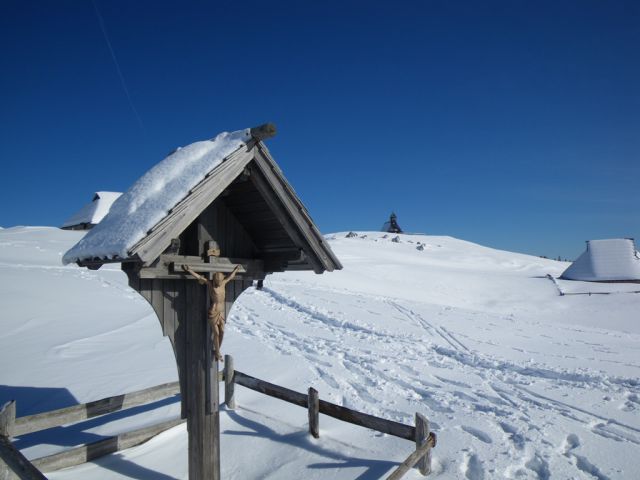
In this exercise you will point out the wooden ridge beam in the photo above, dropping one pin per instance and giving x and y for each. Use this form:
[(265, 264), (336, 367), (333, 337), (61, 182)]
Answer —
[(264, 131)]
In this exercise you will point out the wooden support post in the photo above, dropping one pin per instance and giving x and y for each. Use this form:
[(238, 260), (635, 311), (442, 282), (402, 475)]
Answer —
[(7, 418), (422, 436), (313, 405), (229, 383), (202, 393)]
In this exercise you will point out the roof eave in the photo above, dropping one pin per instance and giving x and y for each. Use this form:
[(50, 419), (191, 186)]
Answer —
[(323, 257)]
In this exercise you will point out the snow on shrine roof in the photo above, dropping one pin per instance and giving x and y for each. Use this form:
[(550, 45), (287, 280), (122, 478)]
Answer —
[(92, 213), (152, 196), (613, 259)]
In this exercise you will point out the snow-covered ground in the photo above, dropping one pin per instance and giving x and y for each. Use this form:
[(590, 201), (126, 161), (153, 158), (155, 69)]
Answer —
[(518, 381)]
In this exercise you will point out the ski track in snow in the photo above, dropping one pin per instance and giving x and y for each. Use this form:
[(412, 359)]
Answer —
[(501, 398)]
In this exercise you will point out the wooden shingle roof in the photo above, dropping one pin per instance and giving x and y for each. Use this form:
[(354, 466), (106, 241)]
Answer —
[(257, 194)]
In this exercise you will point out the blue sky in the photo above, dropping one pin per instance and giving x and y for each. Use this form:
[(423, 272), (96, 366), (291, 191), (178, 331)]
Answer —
[(513, 124)]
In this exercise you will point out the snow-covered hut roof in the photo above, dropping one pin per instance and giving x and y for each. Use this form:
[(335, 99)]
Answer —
[(92, 213), (614, 259), (160, 205)]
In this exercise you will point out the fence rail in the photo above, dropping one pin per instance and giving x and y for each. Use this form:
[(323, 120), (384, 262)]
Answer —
[(345, 414), (15, 465), (420, 434), (91, 451), (84, 411)]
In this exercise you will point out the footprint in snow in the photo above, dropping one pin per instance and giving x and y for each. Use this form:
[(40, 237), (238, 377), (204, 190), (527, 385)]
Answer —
[(631, 403), (479, 434), (582, 463), (512, 434), (539, 466), (472, 467), (570, 443)]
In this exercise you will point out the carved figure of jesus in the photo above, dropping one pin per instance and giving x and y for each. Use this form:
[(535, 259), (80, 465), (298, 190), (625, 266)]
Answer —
[(217, 293)]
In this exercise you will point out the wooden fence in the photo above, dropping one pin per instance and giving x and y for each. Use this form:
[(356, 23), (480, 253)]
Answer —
[(15, 465), (563, 293), (420, 434)]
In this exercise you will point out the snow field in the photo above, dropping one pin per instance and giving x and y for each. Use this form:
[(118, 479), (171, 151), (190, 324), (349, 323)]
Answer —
[(517, 381)]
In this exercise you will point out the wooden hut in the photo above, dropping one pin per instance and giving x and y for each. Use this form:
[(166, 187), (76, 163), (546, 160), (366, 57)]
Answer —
[(241, 212), (609, 260), (92, 213)]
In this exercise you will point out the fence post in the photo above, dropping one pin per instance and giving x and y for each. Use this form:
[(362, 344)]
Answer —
[(314, 412), (7, 418), (13, 465), (422, 435), (229, 383)]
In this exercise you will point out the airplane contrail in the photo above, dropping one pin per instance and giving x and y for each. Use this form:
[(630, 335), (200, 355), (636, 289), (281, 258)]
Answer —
[(115, 61)]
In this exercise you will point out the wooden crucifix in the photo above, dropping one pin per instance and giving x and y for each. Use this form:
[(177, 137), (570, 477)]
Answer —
[(217, 295)]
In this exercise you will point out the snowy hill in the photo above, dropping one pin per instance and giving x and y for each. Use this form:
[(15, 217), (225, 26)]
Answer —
[(518, 381)]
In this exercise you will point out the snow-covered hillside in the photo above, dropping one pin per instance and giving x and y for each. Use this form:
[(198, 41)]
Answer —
[(518, 381)]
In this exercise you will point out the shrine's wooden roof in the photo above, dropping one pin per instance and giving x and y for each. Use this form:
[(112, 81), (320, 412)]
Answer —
[(257, 194)]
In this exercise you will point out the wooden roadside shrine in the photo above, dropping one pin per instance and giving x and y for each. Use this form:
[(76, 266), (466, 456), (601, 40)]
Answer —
[(243, 212)]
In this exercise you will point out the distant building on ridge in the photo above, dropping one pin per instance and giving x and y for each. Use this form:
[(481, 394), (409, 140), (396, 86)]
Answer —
[(610, 260), (391, 225), (92, 213)]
